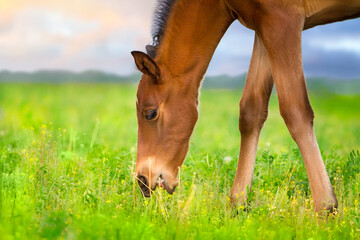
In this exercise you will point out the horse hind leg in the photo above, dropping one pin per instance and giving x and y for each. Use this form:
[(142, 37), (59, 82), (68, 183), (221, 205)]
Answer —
[(253, 113)]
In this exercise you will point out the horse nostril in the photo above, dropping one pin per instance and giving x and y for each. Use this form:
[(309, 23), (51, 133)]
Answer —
[(144, 185)]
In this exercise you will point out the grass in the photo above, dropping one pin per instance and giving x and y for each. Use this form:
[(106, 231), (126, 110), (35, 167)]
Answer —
[(67, 154)]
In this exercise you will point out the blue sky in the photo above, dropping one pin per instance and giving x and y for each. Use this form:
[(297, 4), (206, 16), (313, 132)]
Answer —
[(331, 50), (99, 34)]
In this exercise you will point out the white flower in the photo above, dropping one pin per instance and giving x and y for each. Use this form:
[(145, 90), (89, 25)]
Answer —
[(228, 159)]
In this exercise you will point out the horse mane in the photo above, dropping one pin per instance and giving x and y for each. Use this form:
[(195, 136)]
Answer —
[(161, 15)]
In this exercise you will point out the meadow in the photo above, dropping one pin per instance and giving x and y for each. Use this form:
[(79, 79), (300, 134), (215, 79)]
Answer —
[(67, 155)]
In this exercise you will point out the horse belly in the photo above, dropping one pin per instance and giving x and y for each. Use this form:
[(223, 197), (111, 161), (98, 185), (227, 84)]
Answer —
[(321, 12), (251, 12)]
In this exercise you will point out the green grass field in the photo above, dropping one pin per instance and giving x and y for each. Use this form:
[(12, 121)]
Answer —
[(67, 154)]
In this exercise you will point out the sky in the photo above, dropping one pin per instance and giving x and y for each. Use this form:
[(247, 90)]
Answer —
[(79, 35)]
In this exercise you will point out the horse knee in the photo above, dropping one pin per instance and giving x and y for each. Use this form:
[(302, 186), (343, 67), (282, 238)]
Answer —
[(298, 118), (252, 116)]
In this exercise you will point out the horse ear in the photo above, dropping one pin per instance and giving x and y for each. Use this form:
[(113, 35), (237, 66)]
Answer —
[(146, 65)]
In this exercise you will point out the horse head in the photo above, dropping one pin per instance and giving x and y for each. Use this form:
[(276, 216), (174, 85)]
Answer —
[(166, 113)]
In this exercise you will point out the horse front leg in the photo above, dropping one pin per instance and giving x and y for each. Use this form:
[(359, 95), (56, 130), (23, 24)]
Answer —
[(253, 113), (280, 31)]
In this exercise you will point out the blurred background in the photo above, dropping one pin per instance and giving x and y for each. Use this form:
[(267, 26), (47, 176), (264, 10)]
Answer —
[(68, 132), (91, 40)]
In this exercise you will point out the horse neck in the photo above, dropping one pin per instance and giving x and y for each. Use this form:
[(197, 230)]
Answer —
[(192, 33)]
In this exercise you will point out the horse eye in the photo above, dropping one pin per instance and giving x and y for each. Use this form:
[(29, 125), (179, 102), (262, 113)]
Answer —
[(151, 114)]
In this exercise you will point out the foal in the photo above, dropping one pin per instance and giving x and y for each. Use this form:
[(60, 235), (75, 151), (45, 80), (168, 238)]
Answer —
[(186, 33)]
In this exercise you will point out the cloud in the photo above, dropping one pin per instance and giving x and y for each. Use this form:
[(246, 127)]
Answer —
[(58, 34), (333, 50), (341, 36), (99, 34), (232, 56), (344, 43), (335, 64)]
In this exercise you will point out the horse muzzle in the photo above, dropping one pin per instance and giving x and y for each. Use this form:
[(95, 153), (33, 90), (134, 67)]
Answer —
[(148, 187)]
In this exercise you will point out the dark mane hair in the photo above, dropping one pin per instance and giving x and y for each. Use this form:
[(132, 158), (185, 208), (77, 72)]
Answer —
[(161, 15)]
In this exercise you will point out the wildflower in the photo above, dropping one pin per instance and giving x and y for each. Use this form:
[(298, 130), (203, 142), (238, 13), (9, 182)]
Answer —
[(228, 159), (241, 207)]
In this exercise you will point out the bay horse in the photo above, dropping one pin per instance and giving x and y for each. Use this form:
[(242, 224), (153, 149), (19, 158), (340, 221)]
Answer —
[(185, 35)]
